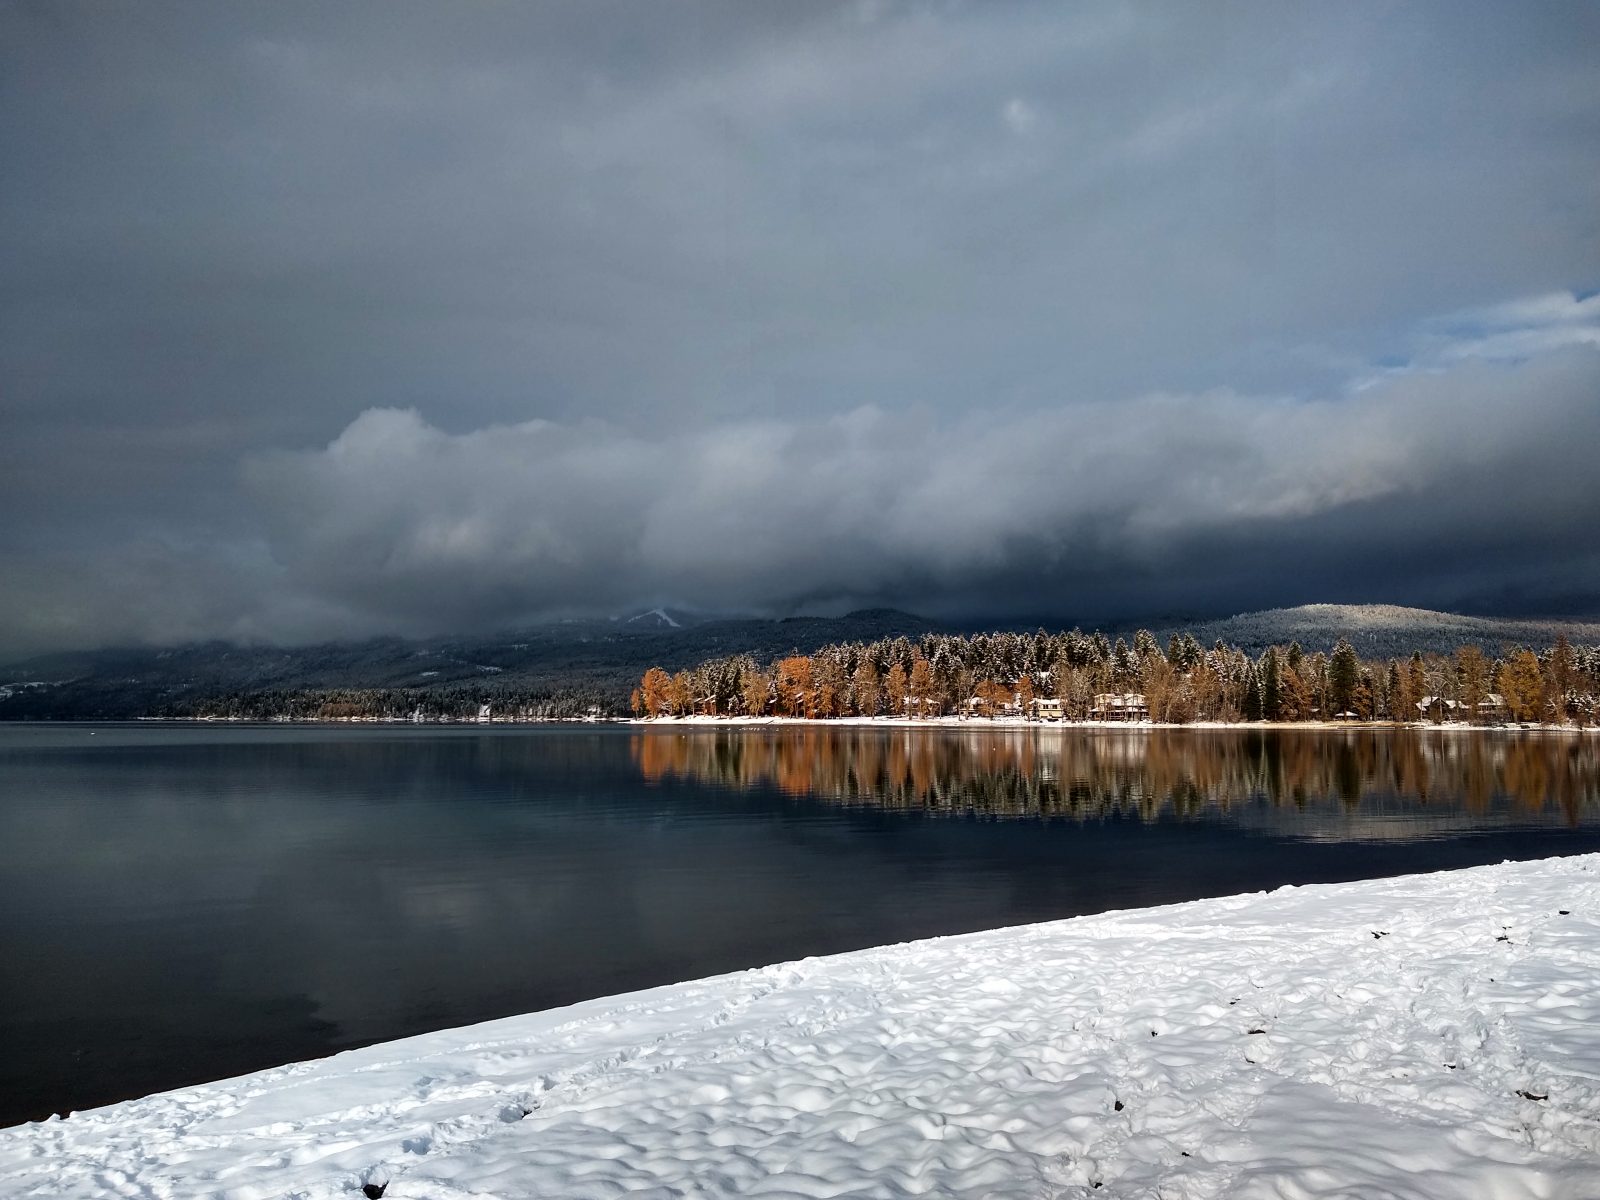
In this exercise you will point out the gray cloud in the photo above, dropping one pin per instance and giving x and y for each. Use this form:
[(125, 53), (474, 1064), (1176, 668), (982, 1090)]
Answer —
[(1038, 511), (809, 232)]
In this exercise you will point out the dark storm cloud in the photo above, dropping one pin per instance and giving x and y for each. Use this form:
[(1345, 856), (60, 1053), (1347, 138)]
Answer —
[(1422, 478), (977, 309)]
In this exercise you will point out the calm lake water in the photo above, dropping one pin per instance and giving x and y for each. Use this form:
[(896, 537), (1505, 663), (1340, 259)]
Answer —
[(188, 903)]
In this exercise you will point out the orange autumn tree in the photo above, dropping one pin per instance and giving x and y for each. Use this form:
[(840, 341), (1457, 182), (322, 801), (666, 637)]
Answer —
[(791, 678), (894, 691), (655, 691), (920, 687), (1522, 685), (991, 696)]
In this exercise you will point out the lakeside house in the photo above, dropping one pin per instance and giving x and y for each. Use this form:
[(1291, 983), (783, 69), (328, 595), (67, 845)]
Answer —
[(1440, 710), (1444, 711), (1120, 706), (1037, 708), (987, 706)]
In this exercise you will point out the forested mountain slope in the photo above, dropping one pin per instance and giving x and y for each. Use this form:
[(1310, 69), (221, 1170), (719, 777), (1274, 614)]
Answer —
[(570, 665), (1381, 630)]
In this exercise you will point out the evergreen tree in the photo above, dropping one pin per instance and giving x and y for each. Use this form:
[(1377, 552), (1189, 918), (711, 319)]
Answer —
[(1472, 677), (1271, 686), (1254, 704), (1561, 669), (1344, 674)]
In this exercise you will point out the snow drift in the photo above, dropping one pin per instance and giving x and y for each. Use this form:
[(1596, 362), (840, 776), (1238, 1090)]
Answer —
[(1425, 1036)]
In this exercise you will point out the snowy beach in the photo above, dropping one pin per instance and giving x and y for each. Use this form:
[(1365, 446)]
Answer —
[(1423, 1036), (981, 724)]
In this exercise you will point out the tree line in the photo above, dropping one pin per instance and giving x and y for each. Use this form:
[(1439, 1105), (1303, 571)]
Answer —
[(991, 674), (447, 703)]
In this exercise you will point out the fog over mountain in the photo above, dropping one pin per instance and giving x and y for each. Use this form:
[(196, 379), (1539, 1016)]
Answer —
[(322, 323)]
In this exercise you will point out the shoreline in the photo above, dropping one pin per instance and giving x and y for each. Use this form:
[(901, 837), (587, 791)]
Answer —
[(981, 723), (1419, 1036), (946, 722)]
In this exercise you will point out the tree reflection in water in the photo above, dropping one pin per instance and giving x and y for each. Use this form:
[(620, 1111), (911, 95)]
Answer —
[(1090, 774)]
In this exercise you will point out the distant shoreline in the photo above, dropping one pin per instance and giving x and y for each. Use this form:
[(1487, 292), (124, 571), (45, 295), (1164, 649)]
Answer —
[(946, 722)]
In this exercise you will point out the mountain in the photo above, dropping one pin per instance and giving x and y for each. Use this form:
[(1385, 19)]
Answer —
[(575, 664), (1382, 630), (599, 660)]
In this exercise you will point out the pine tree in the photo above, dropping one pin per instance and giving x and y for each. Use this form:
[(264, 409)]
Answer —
[(1254, 702), (920, 686), (1416, 687), (1271, 685), (1472, 674), (1344, 674), (1561, 669)]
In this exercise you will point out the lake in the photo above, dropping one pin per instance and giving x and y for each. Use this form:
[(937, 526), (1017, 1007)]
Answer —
[(185, 903)]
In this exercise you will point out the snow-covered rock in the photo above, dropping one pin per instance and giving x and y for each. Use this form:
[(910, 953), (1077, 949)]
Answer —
[(1425, 1036)]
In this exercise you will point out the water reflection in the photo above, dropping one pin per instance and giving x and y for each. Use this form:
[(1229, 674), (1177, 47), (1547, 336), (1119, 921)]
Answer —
[(1429, 777)]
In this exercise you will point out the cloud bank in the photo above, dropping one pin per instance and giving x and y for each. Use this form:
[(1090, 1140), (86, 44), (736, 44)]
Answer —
[(1431, 484), (980, 309)]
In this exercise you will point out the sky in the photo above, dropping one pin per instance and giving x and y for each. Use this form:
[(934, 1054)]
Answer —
[(329, 321)]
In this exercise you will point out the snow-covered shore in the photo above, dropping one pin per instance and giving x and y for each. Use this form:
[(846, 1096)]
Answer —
[(1424, 1036), (979, 724)]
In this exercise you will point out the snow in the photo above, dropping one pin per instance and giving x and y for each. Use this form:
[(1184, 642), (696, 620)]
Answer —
[(1382, 630), (1425, 1036), (1017, 721), (659, 616)]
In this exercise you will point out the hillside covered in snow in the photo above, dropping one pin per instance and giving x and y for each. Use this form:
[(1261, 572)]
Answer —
[(1428, 1036), (1383, 630)]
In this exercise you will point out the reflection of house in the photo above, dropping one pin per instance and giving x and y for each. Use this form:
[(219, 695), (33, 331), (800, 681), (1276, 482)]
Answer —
[(1120, 706), (1042, 708)]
